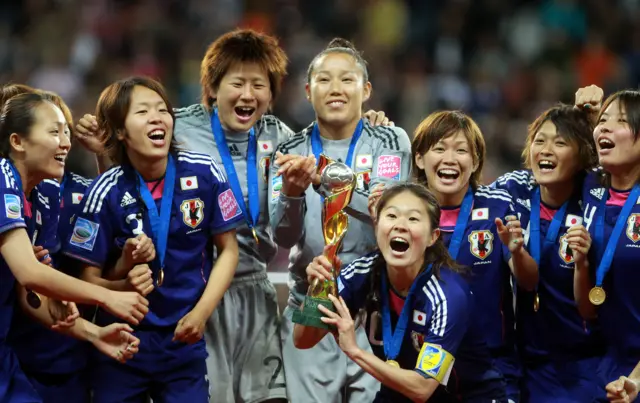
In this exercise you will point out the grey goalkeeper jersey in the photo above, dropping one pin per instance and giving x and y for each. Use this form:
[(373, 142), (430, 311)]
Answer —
[(193, 132), (381, 155)]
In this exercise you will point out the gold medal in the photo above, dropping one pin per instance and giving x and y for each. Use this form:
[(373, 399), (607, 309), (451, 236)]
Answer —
[(160, 279), (33, 299), (536, 303), (255, 235), (597, 295), (393, 363)]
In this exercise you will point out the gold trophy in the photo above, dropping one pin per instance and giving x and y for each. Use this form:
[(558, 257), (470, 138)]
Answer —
[(337, 182)]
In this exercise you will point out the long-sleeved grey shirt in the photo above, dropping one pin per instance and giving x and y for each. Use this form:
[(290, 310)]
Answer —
[(382, 154), (193, 132)]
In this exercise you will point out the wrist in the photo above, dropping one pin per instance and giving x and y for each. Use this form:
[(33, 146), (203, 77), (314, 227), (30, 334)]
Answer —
[(102, 296), (354, 354)]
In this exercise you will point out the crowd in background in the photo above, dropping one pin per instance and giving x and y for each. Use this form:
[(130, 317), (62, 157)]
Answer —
[(501, 61)]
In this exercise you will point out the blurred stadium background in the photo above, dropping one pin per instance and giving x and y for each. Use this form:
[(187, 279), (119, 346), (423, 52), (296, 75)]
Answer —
[(502, 61)]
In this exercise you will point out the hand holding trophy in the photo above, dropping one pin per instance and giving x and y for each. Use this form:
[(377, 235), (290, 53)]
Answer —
[(337, 182)]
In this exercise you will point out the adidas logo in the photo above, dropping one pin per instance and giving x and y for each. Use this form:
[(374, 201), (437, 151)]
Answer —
[(525, 203), (127, 200), (233, 150), (598, 193)]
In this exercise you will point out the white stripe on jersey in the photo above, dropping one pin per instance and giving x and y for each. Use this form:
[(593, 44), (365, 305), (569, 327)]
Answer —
[(101, 189), (439, 306), (514, 177), (8, 174), (52, 182), (494, 194), (43, 200), (359, 266), (196, 158), (81, 179)]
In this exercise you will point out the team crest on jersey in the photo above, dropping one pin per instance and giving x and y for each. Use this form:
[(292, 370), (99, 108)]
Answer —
[(363, 180), (566, 254), (633, 227), (417, 340), (265, 166), (481, 243), (192, 212)]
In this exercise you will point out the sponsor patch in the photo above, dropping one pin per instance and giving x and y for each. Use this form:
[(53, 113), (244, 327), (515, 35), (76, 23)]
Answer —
[(76, 198), (189, 183), (572, 220), (12, 206), (276, 186), (419, 317), (84, 234), (633, 227), (481, 243), (265, 146), (565, 252), (417, 339), (435, 362), (192, 212), (480, 214), (228, 205), (389, 166), (364, 161)]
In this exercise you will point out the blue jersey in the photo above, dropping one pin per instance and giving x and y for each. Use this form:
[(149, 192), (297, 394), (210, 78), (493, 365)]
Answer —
[(441, 314), (113, 211), (619, 315), (488, 258), (556, 330), (40, 349)]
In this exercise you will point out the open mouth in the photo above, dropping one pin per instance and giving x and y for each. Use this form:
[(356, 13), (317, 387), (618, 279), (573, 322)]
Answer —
[(605, 144), (448, 174), (399, 245), (157, 136), (60, 158), (336, 104), (244, 112), (546, 165)]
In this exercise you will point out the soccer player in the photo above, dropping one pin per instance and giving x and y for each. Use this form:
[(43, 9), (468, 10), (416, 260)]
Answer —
[(182, 201), (449, 152), (54, 363), (34, 147), (337, 86), (611, 214), (559, 348), (418, 309)]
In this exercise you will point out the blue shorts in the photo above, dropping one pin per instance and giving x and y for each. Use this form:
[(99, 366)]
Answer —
[(509, 366), (567, 381), (612, 367), (61, 388), (14, 385)]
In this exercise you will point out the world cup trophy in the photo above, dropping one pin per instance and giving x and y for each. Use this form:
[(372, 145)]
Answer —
[(337, 182)]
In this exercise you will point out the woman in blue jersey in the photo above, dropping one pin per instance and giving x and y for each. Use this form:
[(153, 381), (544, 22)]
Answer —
[(559, 348), (449, 151), (182, 201), (417, 307), (33, 145), (54, 364), (611, 214)]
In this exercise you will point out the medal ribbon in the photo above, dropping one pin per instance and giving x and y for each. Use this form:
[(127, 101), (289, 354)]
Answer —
[(461, 224), (253, 213), (160, 222), (392, 340), (612, 243)]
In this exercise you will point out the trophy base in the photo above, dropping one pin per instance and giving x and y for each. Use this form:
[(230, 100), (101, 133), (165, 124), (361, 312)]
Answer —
[(310, 315)]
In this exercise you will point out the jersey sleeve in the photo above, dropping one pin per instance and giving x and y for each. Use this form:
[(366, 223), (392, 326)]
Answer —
[(449, 315), (227, 214), (391, 162), (286, 214), (11, 216), (94, 226)]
